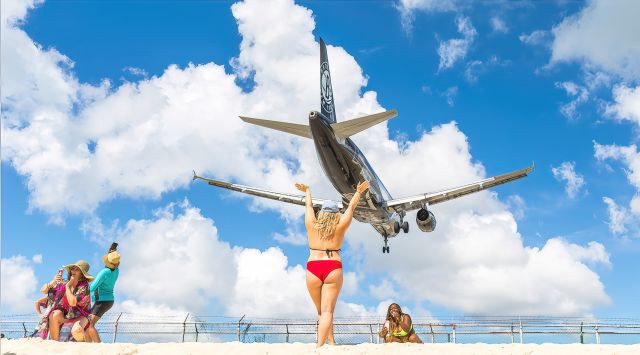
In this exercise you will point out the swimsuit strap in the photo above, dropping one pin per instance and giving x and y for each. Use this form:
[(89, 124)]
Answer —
[(328, 251)]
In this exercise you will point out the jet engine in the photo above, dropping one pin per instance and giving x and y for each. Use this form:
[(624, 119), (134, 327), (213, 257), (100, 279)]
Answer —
[(425, 220)]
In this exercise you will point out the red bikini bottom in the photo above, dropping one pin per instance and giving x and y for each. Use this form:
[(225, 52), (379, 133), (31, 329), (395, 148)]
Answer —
[(322, 268)]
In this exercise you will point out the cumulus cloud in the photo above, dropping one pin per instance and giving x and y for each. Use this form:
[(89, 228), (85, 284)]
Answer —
[(589, 37), (19, 283), (627, 104), (455, 49), (567, 172), (117, 142)]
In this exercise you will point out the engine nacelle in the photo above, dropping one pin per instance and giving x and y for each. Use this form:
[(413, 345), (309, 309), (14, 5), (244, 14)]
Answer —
[(425, 220)]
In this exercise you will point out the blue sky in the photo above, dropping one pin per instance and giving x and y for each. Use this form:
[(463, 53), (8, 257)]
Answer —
[(107, 106)]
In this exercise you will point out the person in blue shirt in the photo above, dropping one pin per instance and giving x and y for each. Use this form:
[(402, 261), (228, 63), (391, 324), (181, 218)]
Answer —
[(102, 290)]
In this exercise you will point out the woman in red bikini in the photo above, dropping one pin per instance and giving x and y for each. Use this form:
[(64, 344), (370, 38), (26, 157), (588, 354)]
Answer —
[(324, 266)]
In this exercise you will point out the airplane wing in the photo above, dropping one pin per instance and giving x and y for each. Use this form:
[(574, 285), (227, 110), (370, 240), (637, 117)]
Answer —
[(431, 198), (289, 198)]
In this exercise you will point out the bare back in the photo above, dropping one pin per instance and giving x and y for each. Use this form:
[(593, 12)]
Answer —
[(331, 243)]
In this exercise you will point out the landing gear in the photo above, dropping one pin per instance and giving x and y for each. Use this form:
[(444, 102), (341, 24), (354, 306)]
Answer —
[(385, 248), (404, 226)]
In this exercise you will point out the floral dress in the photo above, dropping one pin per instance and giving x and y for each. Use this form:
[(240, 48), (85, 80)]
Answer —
[(81, 309)]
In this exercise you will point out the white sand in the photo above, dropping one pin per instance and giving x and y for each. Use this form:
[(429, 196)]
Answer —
[(38, 346)]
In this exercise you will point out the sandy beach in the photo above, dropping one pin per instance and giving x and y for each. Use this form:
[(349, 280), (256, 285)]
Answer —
[(37, 346)]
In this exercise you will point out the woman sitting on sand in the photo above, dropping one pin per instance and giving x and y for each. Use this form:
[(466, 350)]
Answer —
[(400, 326), (74, 305), (324, 266)]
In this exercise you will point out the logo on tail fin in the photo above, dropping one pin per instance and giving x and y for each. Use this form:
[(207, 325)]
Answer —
[(325, 88)]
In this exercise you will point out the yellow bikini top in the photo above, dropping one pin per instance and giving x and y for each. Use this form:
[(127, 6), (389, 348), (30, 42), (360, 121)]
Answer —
[(402, 332)]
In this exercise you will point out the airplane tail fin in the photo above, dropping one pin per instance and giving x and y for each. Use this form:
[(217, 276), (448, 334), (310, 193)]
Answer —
[(327, 104), (293, 128), (348, 128)]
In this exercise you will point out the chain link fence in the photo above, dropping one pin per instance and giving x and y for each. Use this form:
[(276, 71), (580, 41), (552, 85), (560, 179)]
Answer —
[(137, 328)]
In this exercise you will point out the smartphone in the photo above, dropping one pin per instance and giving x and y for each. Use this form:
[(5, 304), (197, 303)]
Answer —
[(113, 246)]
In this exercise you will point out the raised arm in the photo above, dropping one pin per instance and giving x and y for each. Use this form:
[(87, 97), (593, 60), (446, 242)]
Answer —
[(345, 220), (309, 214)]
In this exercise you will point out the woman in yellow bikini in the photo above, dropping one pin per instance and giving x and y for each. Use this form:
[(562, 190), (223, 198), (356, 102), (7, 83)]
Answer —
[(324, 266), (400, 327)]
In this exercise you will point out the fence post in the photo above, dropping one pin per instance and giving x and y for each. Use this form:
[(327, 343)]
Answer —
[(513, 338), (597, 334), (184, 326), (371, 329), (521, 335), (433, 336), (287, 328), (25, 329), (378, 338), (195, 325), (239, 326), (453, 326), (581, 333), (115, 330), (317, 323)]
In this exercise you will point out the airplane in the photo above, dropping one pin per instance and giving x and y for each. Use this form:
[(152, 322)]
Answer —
[(345, 165)]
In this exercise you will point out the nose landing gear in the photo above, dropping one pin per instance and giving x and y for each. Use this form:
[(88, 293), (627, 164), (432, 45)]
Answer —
[(385, 248)]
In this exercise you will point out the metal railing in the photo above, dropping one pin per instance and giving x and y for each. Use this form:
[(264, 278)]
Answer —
[(136, 328)]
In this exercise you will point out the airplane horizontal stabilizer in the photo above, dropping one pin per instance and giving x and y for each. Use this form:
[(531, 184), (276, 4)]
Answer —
[(348, 128), (293, 128)]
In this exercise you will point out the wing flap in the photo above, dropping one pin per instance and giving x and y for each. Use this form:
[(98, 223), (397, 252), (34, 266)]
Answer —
[(292, 128), (348, 128), (283, 197), (415, 202)]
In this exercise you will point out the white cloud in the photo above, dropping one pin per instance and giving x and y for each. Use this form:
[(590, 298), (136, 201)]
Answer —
[(384, 290), (455, 49), (476, 67), (175, 260), (178, 118), (580, 95), (535, 38), (18, 286), (627, 104), (603, 35), (618, 216), (450, 95), (408, 8), (621, 219), (566, 172), (517, 205), (498, 25), (628, 155), (37, 259), (293, 236)]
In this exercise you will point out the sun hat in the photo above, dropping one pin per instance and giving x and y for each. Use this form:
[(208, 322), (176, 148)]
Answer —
[(111, 259), (329, 206), (84, 268)]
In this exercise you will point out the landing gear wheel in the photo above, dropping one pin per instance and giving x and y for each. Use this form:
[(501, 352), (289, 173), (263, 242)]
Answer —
[(405, 227), (396, 227), (385, 248)]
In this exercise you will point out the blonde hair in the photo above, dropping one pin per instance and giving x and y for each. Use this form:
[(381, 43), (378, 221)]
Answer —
[(326, 224)]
